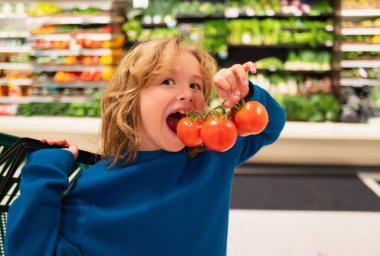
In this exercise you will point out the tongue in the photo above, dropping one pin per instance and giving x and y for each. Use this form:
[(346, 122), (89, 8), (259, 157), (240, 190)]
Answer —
[(172, 122)]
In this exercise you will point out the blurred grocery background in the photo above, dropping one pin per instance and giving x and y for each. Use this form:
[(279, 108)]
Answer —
[(320, 59)]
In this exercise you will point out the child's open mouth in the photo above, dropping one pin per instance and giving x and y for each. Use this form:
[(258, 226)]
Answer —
[(173, 119)]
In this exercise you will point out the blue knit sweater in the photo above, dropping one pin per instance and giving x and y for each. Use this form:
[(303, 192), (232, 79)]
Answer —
[(162, 204)]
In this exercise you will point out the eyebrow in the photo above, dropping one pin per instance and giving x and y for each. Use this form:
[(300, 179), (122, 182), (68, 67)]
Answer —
[(174, 72), (198, 77)]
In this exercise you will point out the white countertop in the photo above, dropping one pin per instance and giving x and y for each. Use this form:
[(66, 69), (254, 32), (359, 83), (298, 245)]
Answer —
[(299, 143)]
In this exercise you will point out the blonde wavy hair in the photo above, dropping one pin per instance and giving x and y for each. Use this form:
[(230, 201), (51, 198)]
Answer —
[(121, 98)]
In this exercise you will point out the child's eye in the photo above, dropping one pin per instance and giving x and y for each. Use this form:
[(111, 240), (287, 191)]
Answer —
[(195, 86), (168, 82)]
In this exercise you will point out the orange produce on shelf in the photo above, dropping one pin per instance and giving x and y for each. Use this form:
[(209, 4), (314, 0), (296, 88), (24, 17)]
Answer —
[(70, 60), (96, 44), (86, 60), (85, 76), (60, 44), (107, 29), (106, 44), (80, 41), (47, 29), (97, 76), (107, 73), (59, 77), (117, 42), (95, 60), (106, 60), (65, 77)]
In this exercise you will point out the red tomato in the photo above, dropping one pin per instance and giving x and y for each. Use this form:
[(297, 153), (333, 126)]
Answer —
[(189, 132), (219, 134), (252, 118)]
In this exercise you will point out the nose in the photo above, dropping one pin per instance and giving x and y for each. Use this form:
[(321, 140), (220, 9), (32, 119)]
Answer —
[(185, 94)]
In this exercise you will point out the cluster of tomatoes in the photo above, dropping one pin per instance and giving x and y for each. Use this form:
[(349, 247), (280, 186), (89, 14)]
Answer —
[(220, 127)]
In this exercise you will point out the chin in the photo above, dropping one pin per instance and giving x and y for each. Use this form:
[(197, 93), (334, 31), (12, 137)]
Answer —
[(174, 148), (173, 145)]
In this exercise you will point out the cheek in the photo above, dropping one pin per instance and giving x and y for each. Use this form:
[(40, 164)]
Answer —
[(201, 104)]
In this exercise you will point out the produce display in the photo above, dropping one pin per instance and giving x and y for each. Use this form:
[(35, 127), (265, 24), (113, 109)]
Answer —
[(218, 128), (313, 108), (211, 33), (374, 96), (368, 73), (63, 56), (366, 23), (359, 4), (371, 39), (360, 64), (272, 31), (287, 7), (90, 108), (308, 60), (301, 60), (280, 84), (359, 55), (13, 9)]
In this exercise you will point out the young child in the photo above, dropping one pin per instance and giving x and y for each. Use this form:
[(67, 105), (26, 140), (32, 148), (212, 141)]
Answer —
[(147, 197)]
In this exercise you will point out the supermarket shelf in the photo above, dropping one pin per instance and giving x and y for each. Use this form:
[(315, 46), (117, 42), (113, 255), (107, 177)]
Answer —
[(15, 66), (298, 71), (328, 28), (24, 48), (360, 47), (13, 15), (52, 37), (359, 82), (68, 36), (158, 25), (299, 143), (279, 46), (72, 52), (360, 63), (16, 81), (273, 14), (42, 99), (77, 84), (96, 52), (73, 19), (360, 31), (97, 36), (360, 12), (56, 52), (197, 17), (14, 34), (67, 68)]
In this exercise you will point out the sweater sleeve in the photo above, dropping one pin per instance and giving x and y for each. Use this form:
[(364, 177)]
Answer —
[(34, 217), (250, 145)]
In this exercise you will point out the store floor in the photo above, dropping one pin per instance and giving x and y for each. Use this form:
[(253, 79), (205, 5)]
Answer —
[(305, 210)]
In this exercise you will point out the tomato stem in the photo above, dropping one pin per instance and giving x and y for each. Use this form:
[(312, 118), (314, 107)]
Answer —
[(240, 104), (194, 115)]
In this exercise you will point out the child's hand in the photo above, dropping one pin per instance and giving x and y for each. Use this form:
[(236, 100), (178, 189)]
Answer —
[(73, 148), (232, 83)]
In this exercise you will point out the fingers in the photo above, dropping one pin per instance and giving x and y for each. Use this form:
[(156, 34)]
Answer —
[(250, 67), (232, 83), (73, 148), (227, 86), (242, 80)]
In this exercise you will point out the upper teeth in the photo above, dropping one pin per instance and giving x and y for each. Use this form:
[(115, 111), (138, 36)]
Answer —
[(182, 112)]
